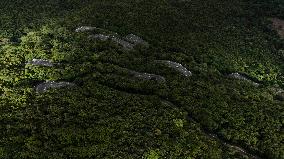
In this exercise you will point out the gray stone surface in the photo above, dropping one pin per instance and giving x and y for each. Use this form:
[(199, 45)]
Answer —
[(41, 62), (241, 77), (134, 39), (85, 28), (43, 87), (147, 76), (128, 42), (177, 66), (125, 44), (101, 37)]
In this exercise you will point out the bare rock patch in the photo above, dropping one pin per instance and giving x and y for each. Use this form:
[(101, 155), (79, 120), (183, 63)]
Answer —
[(43, 87), (242, 77), (85, 28), (147, 76), (176, 66), (136, 40), (41, 62)]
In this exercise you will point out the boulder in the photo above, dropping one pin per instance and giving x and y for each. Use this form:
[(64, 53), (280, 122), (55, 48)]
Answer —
[(43, 87)]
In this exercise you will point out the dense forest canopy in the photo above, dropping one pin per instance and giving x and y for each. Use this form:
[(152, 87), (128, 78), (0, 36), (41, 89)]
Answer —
[(141, 79)]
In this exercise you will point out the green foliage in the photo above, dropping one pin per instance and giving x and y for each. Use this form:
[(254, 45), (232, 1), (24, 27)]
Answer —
[(110, 113), (11, 64), (152, 154)]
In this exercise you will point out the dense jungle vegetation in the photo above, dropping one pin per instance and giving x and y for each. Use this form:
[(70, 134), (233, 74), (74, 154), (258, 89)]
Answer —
[(110, 114)]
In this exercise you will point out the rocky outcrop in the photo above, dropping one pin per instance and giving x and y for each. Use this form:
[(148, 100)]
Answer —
[(101, 37), (128, 42), (237, 76), (85, 28), (176, 66), (43, 87), (147, 76), (136, 40), (125, 44), (242, 77), (41, 62)]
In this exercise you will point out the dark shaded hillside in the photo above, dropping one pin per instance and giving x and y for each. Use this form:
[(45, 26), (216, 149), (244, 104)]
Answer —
[(16, 15), (207, 82)]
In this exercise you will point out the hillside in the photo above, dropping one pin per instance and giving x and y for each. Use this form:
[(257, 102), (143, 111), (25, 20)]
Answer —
[(142, 79)]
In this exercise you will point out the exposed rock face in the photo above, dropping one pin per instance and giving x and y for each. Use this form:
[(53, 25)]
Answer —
[(128, 42), (126, 45), (241, 77), (177, 66), (237, 76), (85, 28), (101, 37), (43, 87), (41, 62), (134, 39), (147, 76)]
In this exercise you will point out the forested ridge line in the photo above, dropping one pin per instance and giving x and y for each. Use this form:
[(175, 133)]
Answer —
[(67, 92)]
